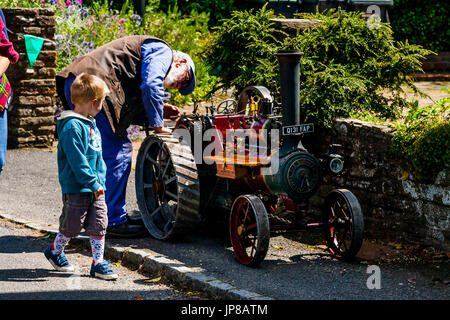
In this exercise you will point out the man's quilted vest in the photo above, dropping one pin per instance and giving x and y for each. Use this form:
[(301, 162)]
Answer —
[(118, 63)]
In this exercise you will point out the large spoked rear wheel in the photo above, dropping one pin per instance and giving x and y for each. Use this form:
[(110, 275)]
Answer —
[(167, 186), (346, 223), (249, 230)]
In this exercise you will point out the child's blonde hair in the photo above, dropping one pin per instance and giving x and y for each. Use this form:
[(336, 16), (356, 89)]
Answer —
[(87, 87)]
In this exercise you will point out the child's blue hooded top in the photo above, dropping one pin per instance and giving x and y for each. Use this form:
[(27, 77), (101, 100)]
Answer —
[(80, 163)]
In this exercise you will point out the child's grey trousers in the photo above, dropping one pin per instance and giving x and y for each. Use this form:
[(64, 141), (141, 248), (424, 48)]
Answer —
[(81, 210)]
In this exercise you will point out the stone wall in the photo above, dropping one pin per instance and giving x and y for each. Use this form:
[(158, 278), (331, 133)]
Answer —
[(436, 68), (31, 122), (395, 205)]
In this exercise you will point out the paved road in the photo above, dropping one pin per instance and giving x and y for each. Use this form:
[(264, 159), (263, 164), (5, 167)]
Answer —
[(26, 274), (292, 270)]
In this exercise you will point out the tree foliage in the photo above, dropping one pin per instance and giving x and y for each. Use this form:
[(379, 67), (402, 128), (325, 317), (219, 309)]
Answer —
[(347, 66), (422, 142), (422, 22)]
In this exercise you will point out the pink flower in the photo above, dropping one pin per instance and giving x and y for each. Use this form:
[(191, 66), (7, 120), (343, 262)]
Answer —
[(122, 21), (68, 3)]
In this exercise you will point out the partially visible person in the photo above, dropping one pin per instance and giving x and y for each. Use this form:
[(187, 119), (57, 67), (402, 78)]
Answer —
[(82, 174), (7, 55)]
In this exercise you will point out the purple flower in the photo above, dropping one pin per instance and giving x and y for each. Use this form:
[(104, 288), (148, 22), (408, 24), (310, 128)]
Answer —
[(84, 12), (166, 96), (58, 111), (133, 133)]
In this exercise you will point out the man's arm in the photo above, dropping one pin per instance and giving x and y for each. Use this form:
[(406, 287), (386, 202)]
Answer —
[(156, 61)]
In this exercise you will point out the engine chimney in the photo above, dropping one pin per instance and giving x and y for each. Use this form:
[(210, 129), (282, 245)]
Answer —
[(289, 62)]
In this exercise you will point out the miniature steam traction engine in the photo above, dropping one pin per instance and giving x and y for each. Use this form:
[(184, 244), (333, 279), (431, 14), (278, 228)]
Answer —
[(180, 180)]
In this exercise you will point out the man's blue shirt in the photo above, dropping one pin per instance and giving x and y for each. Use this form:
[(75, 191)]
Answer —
[(156, 61)]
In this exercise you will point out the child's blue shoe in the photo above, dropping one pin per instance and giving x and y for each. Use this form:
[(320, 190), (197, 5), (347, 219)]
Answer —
[(103, 270), (59, 262)]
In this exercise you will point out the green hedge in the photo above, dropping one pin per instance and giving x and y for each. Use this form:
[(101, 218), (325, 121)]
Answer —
[(346, 67), (422, 142), (217, 9), (422, 22)]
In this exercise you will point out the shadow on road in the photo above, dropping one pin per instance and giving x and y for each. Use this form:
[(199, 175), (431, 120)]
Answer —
[(22, 244), (87, 296), (30, 275)]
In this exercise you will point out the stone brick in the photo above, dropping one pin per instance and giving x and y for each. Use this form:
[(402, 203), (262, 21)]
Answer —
[(441, 66), (47, 21), (35, 121), (48, 46), (26, 141), (17, 20), (36, 31), (47, 12), (292, 26), (47, 72), (35, 100), (37, 64), (38, 82), (21, 132), (45, 130), (428, 66), (35, 90), (44, 111)]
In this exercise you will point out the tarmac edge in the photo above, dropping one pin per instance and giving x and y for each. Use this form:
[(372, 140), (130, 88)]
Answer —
[(155, 263)]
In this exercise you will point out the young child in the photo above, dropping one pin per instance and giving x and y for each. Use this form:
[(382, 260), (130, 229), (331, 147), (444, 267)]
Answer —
[(82, 174)]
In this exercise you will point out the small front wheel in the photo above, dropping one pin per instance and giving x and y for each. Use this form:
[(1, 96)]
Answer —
[(249, 230), (343, 214)]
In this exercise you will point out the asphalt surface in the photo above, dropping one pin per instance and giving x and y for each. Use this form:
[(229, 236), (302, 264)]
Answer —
[(26, 274), (292, 270)]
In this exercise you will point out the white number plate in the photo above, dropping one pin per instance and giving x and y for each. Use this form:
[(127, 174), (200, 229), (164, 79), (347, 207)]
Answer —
[(298, 129)]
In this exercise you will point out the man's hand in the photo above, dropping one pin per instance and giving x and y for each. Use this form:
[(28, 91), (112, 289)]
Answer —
[(171, 112), (162, 130), (99, 192)]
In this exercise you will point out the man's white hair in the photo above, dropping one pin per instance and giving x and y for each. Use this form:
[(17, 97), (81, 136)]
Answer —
[(175, 73), (176, 56)]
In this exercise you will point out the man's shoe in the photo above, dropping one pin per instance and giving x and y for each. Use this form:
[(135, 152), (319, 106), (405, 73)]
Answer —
[(135, 218), (59, 262), (126, 230), (103, 270)]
